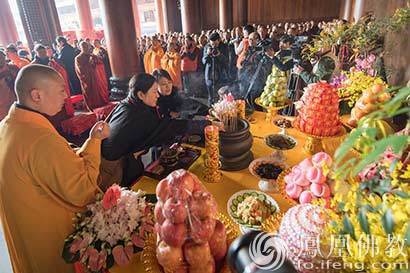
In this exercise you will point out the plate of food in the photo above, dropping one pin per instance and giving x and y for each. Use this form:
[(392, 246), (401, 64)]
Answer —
[(250, 208), (280, 142), (267, 170), (283, 123)]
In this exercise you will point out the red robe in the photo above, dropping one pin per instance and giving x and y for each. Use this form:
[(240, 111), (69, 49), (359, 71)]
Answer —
[(90, 70), (8, 75)]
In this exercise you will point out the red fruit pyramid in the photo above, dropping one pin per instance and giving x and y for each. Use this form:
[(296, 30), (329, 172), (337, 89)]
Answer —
[(318, 114)]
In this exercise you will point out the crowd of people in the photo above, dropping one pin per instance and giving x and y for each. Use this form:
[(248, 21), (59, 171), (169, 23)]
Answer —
[(207, 61), (198, 64)]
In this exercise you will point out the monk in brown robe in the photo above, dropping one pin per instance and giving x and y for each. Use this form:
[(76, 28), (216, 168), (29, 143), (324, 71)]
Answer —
[(8, 73), (41, 57), (90, 71)]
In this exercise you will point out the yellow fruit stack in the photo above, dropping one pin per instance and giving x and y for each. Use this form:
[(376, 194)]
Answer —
[(369, 102)]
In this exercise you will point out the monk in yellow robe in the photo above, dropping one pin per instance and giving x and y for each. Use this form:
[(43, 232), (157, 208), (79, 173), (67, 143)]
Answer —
[(12, 55), (171, 62), (43, 182), (153, 56)]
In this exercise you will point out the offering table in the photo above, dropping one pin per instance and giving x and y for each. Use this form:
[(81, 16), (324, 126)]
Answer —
[(233, 182)]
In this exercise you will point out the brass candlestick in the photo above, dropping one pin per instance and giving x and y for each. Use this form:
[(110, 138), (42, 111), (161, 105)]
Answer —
[(212, 163)]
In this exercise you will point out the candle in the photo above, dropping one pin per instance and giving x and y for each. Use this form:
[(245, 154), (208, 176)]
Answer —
[(212, 164)]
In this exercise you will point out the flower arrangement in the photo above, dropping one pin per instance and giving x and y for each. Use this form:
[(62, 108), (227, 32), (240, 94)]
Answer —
[(366, 64), (370, 222), (361, 38), (373, 218), (356, 82), (337, 81), (110, 230)]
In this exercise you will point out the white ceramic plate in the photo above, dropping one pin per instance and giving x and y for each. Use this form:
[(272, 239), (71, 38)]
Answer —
[(238, 197)]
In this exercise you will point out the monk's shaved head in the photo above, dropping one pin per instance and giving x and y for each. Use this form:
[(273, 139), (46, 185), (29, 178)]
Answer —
[(40, 88), (34, 76), (84, 46)]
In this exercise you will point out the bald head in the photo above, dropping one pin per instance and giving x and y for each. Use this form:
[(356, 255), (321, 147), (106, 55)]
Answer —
[(41, 88), (84, 46), (31, 77)]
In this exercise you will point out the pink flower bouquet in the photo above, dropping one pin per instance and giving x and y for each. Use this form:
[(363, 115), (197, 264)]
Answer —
[(110, 230)]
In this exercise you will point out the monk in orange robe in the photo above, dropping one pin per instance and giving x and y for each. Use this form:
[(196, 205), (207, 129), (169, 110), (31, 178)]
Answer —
[(11, 51), (8, 74), (43, 182), (90, 71), (171, 62), (153, 56)]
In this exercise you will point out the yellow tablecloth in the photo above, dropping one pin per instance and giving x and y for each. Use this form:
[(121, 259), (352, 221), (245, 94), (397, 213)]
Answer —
[(239, 180)]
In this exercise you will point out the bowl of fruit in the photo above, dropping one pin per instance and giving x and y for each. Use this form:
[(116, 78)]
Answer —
[(267, 170)]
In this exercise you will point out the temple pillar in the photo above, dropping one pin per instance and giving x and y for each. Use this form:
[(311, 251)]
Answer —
[(86, 19), (172, 16), (121, 44), (345, 9), (137, 22), (225, 14), (190, 15), (358, 10), (8, 29), (160, 16), (240, 11)]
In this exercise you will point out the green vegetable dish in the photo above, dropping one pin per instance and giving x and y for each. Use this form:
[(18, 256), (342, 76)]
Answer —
[(251, 208)]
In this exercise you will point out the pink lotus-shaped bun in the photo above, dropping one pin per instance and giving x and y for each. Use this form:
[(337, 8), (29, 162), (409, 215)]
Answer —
[(306, 197), (306, 163), (316, 189), (320, 158), (293, 190), (289, 178), (315, 175), (299, 178), (296, 167), (320, 190)]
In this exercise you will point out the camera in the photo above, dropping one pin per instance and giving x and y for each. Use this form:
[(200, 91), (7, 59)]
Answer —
[(265, 45), (297, 47), (237, 39), (214, 51)]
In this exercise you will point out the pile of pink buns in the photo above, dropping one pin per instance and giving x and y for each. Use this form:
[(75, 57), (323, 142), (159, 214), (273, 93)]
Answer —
[(308, 180)]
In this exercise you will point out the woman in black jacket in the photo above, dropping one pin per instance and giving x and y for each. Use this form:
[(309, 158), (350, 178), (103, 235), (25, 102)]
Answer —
[(169, 101), (136, 125)]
